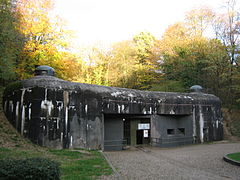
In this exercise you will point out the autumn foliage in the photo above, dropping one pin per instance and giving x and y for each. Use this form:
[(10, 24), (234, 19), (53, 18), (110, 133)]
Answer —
[(31, 35)]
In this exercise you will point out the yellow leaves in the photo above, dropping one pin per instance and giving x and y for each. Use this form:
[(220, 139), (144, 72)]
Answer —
[(178, 37), (34, 15), (175, 35), (45, 36)]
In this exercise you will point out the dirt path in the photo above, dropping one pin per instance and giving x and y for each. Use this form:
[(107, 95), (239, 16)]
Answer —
[(195, 162)]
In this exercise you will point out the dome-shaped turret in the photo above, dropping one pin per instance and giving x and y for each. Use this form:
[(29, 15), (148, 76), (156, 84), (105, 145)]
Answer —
[(196, 88), (44, 70)]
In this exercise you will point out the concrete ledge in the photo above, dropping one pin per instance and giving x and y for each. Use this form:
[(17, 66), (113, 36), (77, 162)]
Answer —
[(231, 161)]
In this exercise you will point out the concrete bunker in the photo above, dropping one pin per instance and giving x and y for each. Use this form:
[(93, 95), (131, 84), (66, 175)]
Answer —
[(61, 114)]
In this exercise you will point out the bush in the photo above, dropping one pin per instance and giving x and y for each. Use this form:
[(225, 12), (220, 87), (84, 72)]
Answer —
[(26, 169)]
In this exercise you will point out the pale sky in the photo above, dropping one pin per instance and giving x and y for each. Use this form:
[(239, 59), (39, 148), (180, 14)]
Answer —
[(108, 21)]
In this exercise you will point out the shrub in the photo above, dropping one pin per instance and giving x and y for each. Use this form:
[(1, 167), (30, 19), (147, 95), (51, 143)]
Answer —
[(27, 169)]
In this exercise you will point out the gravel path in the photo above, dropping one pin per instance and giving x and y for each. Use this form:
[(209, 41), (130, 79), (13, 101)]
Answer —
[(195, 162)]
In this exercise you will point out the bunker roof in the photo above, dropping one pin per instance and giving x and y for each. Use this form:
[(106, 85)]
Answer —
[(115, 93)]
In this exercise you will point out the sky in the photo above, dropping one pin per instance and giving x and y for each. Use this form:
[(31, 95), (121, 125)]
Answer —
[(109, 21)]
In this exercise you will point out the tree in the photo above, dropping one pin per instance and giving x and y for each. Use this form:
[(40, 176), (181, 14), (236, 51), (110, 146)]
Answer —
[(68, 67), (96, 67), (227, 29), (45, 38), (145, 74), (11, 40), (187, 60), (175, 35), (174, 60), (199, 19), (216, 72), (144, 42), (122, 64)]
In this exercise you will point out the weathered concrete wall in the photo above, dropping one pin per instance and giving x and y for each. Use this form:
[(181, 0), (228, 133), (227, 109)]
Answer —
[(172, 130), (61, 114), (55, 118)]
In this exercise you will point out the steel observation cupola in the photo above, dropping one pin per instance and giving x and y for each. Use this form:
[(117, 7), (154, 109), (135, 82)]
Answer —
[(44, 70)]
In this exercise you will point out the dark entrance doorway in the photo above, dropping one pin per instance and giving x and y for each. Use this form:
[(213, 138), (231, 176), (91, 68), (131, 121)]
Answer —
[(143, 137), (136, 130), (139, 136), (120, 131)]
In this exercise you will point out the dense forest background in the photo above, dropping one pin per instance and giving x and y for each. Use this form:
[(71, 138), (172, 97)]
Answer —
[(31, 35)]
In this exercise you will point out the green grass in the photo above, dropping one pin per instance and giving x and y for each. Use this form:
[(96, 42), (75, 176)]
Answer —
[(85, 169), (18, 154), (66, 154), (234, 156), (75, 164)]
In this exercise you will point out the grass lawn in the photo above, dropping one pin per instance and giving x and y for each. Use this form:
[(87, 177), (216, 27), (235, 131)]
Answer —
[(234, 156), (75, 164)]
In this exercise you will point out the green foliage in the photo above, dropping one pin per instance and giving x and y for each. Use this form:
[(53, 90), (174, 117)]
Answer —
[(186, 64), (34, 168), (11, 41), (217, 71), (200, 61), (168, 86), (144, 42)]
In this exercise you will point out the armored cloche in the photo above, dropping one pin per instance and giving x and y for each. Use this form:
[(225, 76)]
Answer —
[(44, 70)]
